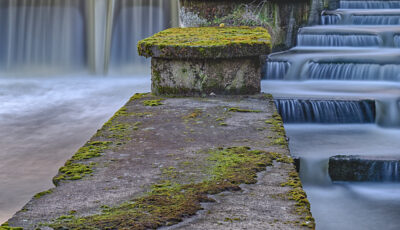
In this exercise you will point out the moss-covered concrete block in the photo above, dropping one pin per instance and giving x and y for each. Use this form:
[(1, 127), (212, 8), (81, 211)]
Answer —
[(192, 61)]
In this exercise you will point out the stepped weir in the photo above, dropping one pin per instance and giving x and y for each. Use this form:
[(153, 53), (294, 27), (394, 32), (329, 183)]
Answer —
[(338, 93)]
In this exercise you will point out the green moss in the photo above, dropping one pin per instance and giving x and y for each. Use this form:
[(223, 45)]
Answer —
[(204, 41), (168, 202), (91, 149), (240, 110), (207, 36), (223, 124), (276, 125), (5, 226), (155, 102), (73, 171), (40, 194), (196, 113), (297, 194), (138, 96)]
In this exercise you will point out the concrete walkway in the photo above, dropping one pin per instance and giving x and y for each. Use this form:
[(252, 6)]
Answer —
[(152, 139)]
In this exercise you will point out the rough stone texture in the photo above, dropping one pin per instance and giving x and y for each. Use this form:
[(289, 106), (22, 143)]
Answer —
[(359, 168), (169, 135), (205, 76), (281, 18), (255, 207)]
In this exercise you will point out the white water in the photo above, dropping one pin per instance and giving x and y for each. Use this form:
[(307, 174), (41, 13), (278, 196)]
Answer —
[(50, 102)]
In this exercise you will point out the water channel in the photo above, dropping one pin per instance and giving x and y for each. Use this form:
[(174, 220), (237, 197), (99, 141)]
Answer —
[(338, 93)]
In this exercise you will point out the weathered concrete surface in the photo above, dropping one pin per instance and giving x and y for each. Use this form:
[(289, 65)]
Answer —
[(155, 138), (255, 207), (205, 76), (364, 168)]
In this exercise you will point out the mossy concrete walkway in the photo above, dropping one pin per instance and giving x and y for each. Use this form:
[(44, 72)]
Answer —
[(159, 160)]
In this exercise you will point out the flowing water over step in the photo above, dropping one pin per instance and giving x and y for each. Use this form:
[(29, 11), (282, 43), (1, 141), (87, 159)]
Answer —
[(319, 88), (326, 111), (361, 17)]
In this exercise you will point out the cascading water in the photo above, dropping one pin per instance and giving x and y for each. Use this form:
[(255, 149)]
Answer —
[(51, 100), (369, 4), (41, 34), (319, 86), (128, 30), (325, 111)]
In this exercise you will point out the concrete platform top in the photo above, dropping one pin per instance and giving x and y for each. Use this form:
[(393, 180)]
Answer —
[(158, 161), (207, 42)]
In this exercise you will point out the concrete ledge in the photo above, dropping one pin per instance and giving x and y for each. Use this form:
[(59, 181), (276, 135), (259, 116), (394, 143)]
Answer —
[(364, 168), (157, 159)]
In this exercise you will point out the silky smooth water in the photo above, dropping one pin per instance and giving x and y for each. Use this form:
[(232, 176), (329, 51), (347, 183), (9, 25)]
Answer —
[(353, 57), (346, 205), (51, 95)]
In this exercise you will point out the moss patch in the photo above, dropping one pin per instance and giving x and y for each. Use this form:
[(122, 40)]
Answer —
[(240, 110), (276, 125), (40, 194), (207, 42), (155, 102), (168, 202), (297, 194), (5, 226)]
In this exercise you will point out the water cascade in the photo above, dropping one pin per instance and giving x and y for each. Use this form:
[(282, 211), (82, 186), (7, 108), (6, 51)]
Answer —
[(338, 93), (42, 34), (48, 36), (326, 111)]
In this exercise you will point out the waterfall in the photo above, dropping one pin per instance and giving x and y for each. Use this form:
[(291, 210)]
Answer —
[(396, 39), (375, 19), (42, 34), (128, 29), (353, 71), (326, 111), (330, 19), (64, 36), (369, 4), (338, 40), (275, 70)]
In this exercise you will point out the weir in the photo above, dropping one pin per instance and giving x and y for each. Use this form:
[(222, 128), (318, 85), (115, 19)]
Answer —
[(326, 111), (58, 36), (320, 87)]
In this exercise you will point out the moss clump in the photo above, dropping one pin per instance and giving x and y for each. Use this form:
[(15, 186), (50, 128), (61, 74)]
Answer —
[(155, 102), (297, 194), (91, 149), (168, 202), (196, 113), (138, 96), (207, 42), (277, 126), (40, 194), (240, 110), (5, 226), (73, 171)]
